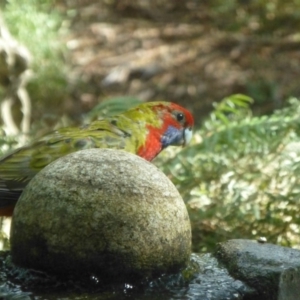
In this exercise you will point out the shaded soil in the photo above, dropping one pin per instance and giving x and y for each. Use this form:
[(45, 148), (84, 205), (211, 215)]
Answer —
[(181, 51)]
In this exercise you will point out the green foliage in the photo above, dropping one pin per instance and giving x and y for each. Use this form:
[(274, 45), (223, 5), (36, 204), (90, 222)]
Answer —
[(7, 143), (241, 180), (38, 26)]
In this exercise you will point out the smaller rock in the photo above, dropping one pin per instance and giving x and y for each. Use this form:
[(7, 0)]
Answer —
[(101, 211), (274, 271), (204, 278)]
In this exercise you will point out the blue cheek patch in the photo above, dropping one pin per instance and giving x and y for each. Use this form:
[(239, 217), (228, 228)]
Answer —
[(172, 136)]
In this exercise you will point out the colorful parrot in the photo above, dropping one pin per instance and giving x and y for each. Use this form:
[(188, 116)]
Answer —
[(144, 130)]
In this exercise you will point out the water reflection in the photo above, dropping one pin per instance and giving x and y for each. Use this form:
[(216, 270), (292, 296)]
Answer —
[(203, 278)]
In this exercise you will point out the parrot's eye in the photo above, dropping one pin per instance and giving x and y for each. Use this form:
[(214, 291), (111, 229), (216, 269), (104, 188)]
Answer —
[(179, 117)]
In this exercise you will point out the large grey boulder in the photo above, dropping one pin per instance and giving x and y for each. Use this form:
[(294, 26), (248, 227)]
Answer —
[(101, 211)]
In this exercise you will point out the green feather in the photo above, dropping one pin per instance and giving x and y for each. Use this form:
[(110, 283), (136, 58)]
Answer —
[(126, 131)]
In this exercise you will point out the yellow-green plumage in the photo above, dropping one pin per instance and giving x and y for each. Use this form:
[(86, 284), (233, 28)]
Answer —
[(25, 162), (144, 130)]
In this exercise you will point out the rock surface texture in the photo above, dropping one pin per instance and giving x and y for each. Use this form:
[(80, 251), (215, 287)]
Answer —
[(273, 271), (104, 212), (240, 270)]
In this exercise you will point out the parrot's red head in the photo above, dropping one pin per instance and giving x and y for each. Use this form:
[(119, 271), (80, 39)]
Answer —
[(168, 124)]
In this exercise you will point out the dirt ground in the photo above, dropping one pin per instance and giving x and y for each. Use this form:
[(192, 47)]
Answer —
[(181, 51)]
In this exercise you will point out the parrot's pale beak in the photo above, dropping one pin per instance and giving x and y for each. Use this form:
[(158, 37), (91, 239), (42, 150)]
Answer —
[(187, 135), (176, 137)]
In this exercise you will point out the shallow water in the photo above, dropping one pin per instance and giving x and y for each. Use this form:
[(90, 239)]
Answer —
[(203, 279)]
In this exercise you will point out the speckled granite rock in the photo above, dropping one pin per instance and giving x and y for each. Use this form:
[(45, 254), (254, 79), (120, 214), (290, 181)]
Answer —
[(101, 211)]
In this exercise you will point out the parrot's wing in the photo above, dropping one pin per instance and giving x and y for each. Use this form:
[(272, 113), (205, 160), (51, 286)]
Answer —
[(20, 166)]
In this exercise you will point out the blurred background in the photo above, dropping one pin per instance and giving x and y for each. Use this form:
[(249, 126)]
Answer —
[(235, 64)]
